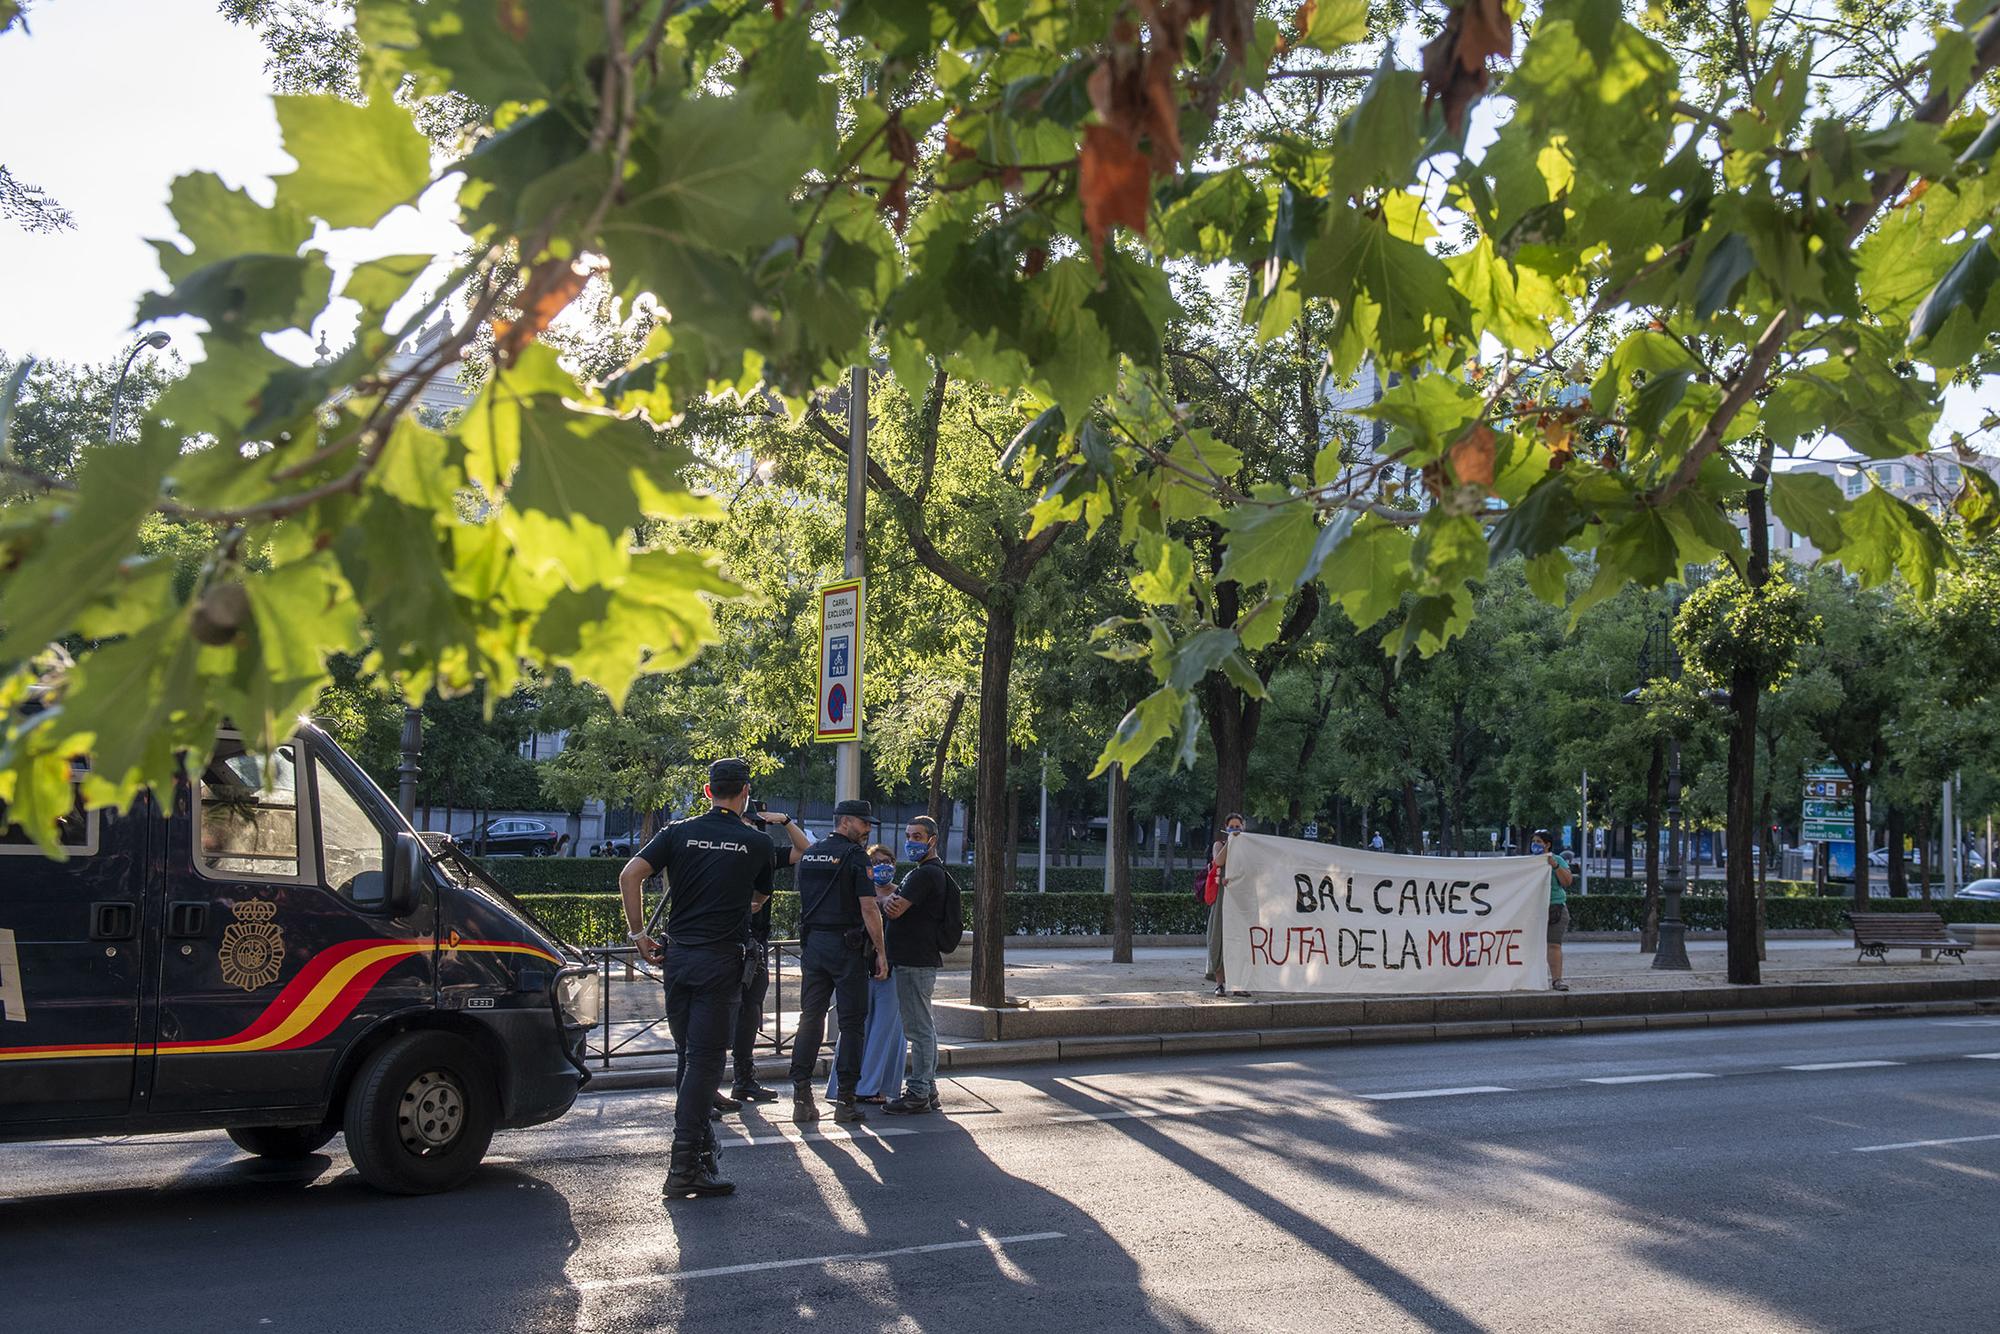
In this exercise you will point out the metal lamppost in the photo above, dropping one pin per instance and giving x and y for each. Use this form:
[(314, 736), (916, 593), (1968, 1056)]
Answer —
[(156, 341), (1659, 658), (408, 769)]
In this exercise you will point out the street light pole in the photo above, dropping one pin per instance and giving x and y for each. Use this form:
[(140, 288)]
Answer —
[(407, 771), (156, 341), (847, 755)]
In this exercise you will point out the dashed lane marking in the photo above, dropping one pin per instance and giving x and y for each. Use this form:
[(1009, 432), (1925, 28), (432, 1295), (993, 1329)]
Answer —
[(1843, 1065), (1436, 1093), (1648, 1079), (1924, 1143), (994, 1244)]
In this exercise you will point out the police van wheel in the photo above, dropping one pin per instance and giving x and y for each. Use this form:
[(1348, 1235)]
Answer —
[(420, 1114), (282, 1142)]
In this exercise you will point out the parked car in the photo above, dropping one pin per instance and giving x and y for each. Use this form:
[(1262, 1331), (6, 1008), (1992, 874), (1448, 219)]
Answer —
[(513, 837), (1981, 889)]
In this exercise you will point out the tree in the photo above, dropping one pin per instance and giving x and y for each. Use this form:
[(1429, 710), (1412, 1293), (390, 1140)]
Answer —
[(1005, 196)]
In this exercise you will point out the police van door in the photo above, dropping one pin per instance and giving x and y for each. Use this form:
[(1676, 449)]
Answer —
[(276, 950), (71, 967)]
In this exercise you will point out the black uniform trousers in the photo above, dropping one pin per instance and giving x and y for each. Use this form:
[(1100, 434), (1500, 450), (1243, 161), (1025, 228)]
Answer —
[(750, 1017), (830, 970), (704, 990)]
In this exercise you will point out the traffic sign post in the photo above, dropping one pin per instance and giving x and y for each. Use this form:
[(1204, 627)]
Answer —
[(1827, 814), (840, 662)]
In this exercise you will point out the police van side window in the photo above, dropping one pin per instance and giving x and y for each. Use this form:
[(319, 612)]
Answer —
[(350, 844), (76, 830), (248, 814)]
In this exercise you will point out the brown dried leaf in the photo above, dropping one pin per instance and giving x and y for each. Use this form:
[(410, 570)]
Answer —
[(1455, 60), (1561, 439), (546, 295), (513, 18), (1472, 457), (1115, 184), (895, 202), (956, 149), (902, 148)]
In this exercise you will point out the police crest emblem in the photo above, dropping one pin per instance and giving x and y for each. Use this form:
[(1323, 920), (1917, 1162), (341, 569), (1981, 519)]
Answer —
[(252, 951)]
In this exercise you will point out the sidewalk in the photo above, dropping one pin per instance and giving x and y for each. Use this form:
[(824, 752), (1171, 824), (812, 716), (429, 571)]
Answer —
[(1075, 1003)]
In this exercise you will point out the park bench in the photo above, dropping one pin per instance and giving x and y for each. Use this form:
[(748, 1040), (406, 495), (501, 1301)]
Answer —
[(1876, 933)]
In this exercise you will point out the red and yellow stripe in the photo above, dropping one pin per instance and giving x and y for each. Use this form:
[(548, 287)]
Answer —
[(311, 1006)]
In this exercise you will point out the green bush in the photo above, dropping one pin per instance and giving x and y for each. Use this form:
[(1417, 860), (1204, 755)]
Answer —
[(585, 875), (1623, 912)]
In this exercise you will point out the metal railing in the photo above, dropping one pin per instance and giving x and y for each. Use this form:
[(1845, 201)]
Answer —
[(615, 1040)]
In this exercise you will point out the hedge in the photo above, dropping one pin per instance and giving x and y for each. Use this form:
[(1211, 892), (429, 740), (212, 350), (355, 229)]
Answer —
[(596, 919), (599, 875)]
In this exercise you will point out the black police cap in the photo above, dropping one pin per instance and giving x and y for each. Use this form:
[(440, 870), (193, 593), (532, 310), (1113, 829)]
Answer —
[(860, 810), (730, 772)]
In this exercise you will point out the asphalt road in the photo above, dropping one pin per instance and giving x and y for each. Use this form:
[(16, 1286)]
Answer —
[(1837, 1176)]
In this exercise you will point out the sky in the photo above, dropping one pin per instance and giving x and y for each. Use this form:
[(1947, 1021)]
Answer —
[(109, 100), (105, 103)]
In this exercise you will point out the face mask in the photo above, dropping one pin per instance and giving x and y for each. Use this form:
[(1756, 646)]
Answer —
[(916, 850), (1233, 832), (882, 873), (1539, 848)]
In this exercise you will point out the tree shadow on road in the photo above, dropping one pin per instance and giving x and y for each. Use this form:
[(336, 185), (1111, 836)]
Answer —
[(868, 1194), (253, 1244)]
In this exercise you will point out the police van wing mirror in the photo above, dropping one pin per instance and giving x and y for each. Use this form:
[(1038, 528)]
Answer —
[(406, 865)]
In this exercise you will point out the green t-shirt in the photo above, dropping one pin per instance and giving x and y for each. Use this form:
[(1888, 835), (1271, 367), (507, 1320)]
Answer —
[(1557, 894)]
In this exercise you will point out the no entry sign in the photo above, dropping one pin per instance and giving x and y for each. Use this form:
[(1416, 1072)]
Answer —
[(840, 662)]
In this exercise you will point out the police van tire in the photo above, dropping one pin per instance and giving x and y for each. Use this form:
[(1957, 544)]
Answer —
[(420, 1114), (282, 1142)]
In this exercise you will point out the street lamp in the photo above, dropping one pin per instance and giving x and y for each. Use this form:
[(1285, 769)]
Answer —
[(1659, 649), (155, 340), (759, 474)]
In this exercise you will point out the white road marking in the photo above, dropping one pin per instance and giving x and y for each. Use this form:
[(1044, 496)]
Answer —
[(804, 1137), (1130, 1114), (1968, 1023), (1436, 1093), (1984, 1056), (1647, 1079), (1924, 1143), (1843, 1065), (724, 1271)]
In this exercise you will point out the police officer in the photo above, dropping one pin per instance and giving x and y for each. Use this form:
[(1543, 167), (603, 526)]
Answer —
[(750, 1015), (716, 866), (838, 920)]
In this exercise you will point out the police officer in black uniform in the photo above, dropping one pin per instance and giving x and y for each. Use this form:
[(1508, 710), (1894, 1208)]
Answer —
[(838, 922), (716, 866), (750, 1014)]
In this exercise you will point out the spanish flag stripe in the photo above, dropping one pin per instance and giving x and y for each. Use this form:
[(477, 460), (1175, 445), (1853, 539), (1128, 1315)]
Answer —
[(309, 1008)]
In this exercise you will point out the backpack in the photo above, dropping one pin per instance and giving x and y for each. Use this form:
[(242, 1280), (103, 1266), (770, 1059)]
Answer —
[(1208, 885), (951, 915)]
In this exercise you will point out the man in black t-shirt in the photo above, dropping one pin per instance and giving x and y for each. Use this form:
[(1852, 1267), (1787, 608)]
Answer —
[(916, 914), (717, 866), (838, 920)]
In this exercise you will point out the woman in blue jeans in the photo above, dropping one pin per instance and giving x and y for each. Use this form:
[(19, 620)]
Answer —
[(882, 1049)]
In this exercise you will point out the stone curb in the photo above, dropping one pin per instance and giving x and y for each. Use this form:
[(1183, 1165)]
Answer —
[(1022, 1051)]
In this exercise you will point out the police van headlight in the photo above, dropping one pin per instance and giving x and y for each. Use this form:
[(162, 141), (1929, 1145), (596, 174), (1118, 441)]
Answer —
[(580, 997)]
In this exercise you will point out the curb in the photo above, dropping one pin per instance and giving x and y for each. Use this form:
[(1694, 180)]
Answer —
[(1024, 1051)]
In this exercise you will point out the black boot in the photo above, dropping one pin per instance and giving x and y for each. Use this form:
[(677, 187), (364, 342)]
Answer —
[(725, 1103), (845, 1110), (805, 1107), (749, 1090), (691, 1175)]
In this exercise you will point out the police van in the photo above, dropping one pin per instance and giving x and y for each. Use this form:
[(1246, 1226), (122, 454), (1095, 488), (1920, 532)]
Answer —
[(279, 955)]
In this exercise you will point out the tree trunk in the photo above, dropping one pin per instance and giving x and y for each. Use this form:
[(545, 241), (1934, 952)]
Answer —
[(1115, 824), (1764, 869), (1413, 820), (1649, 920), (1233, 721), (937, 807), (1626, 834), (1740, 833), (1899, 876), (990, 872)]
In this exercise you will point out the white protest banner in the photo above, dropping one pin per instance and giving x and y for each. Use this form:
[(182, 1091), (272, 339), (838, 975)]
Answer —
[(1311, 917)]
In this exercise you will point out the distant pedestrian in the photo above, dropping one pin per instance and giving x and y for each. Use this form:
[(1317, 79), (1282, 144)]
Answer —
[(838, 921), (916, 915), (1542, 845), (716, 868), (1376, 842), (882, 1050), (1219, 857)]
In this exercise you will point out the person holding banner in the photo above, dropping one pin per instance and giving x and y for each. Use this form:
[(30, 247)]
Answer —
[(1542, 845), (1219, 855)]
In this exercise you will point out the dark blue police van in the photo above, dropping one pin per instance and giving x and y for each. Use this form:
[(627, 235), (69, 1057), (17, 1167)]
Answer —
[(282, 957)]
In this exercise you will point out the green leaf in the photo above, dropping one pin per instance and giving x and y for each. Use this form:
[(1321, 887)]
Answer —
[(1335, 24), (1810, 503), (1165, 570), (1149, 722), (1369, 572), (1968, 287), (1134, 305), (1727, 265), (1199, 654), (1376, 144), (1978, 502), (1396, 298), (1548, 576), (1270, 539), (1508, 300), (1435, 409), (1330, 537), (355, 162), (303, 612), (1885, 536), (220, 222)]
